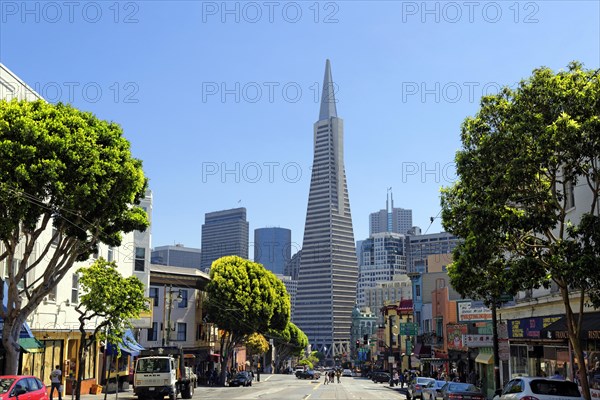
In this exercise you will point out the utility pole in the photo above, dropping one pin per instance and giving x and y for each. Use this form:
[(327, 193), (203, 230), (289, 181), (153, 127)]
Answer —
[(390, 320), (164, 335), (496, 347)]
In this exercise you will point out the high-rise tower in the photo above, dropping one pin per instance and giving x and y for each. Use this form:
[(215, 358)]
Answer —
[(328, 269), (224, 233), (397, 220)]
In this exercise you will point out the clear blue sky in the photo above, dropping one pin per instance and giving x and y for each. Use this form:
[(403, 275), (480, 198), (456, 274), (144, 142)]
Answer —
[(408, 73)]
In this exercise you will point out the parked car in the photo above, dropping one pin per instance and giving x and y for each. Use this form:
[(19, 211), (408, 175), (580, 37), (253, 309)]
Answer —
[(243, 378), (415, 388), (380, 377), (541, 389), (347, 372), (13, 386), (461, 391), (308, 374), (433, 390)]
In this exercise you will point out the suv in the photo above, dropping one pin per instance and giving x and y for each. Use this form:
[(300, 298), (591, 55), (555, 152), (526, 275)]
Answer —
[(529, 388)]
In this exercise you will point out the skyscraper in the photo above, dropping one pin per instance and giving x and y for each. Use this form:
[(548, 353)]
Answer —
[(383, 256), (273, 248), (328, 269), (397, 220), (224, 233)]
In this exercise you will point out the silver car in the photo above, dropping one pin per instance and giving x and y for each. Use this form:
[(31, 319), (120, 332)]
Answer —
[(540, 388), (415, 389), (433, 390)]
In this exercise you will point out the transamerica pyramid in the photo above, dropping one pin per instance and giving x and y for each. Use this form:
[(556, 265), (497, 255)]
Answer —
[(328, 269)]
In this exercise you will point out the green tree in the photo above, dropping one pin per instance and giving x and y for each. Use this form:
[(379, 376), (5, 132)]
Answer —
[(256, 344), (524, 154), (244, 298), (66, 170), (109, 302), (289, 342), (309, 360)]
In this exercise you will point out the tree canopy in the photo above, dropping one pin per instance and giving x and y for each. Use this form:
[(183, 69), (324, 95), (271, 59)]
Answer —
[(526, 201), (289, 342), (256, 344), (110, 302), (244, 298), (68, 172)]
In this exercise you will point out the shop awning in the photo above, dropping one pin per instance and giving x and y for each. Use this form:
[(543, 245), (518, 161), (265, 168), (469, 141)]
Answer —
[(129, 345), (423, 350), (415, 362), (558, 329), (31, 345), (484, 358)]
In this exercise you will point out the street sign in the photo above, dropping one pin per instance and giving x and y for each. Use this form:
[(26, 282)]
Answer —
[(505, 297), (409, 329)]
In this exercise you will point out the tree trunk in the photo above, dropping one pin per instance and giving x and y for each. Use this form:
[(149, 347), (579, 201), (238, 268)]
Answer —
[(10, 338), (82, 356), (573, 331)]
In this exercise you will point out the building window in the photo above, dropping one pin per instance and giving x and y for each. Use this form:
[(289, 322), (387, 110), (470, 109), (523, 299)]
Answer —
[(184, 299), (154, 296), (110, 254), (55, 237), (569, 194), (15, 269), (53, 292), (181, 331), (418, 291), (153, 332), (198, 331), (75, 290), (140, 258)]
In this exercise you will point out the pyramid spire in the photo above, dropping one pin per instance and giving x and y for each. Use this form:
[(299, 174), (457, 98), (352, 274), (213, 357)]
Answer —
[(328, 101)]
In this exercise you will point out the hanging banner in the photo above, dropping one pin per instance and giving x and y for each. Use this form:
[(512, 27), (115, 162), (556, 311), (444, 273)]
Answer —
[(455, 333)]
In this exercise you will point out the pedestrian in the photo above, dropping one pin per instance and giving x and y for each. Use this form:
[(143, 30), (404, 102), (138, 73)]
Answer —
[(338, 373), (56, 382), (331, 376), (326, 377), (396, 378), (401, 377)]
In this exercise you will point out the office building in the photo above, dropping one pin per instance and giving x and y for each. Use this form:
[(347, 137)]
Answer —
[(272, 248), (224, 233), (328, 268)]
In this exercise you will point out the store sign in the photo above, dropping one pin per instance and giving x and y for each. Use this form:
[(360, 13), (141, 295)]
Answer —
[(473, 311), (593, 334), (478, 340), (529, 327)]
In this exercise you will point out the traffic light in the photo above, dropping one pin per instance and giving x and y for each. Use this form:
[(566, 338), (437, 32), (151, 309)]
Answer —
[(357, 343), (366, 339)]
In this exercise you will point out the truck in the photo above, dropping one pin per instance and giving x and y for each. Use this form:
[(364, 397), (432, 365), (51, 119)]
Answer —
[(161, 372)]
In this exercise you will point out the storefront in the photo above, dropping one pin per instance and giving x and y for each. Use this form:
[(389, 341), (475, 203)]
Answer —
[(590, 341), (532, 354)]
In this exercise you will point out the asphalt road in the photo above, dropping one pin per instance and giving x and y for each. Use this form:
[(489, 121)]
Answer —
[(287, 387)]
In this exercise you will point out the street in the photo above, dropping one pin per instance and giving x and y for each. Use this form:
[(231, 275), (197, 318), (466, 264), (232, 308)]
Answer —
[(284, 387), (289, 387)]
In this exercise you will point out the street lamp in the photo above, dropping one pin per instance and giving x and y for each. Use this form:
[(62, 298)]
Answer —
[(169, 297)]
